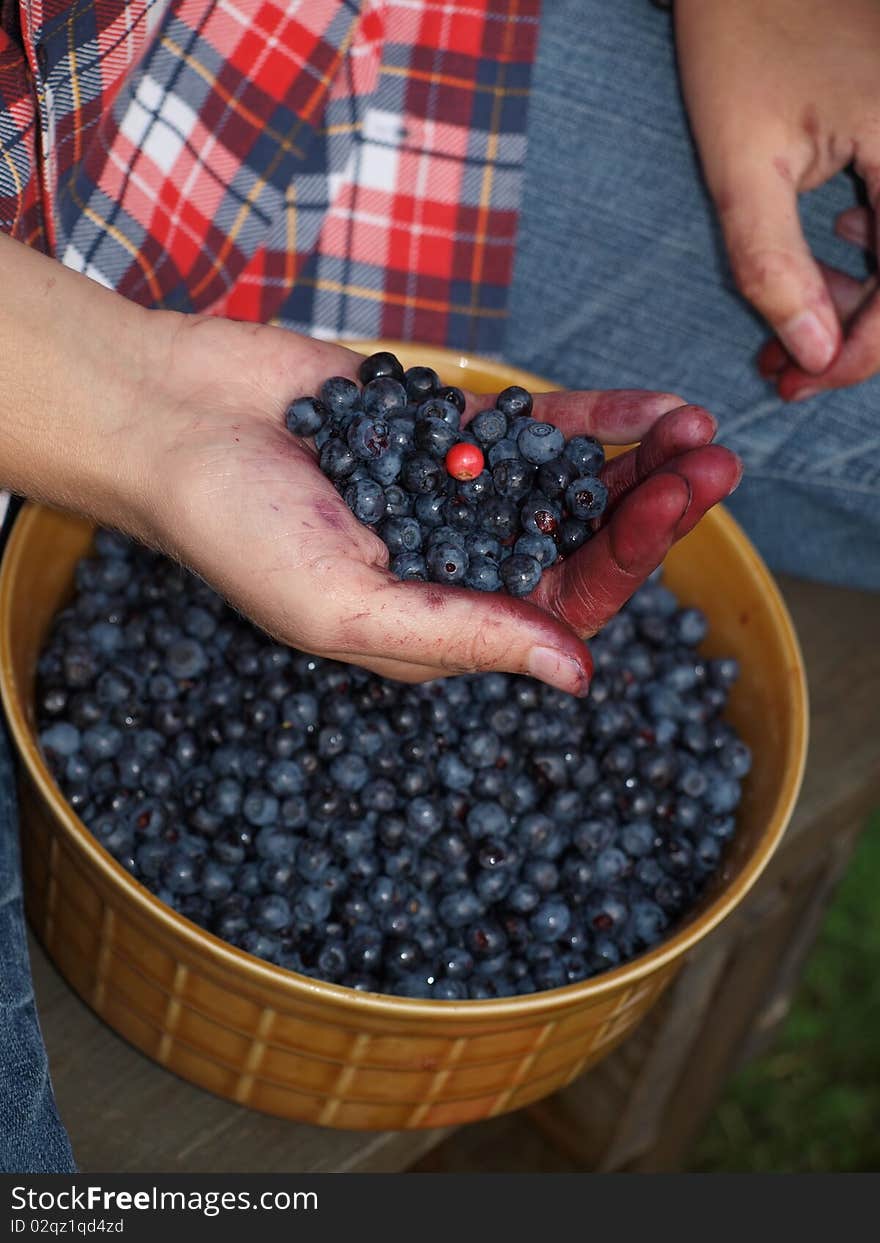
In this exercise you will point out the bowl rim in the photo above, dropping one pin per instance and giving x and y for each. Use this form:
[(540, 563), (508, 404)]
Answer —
[(296, 987)]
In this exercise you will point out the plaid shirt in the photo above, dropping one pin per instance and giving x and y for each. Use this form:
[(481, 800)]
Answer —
[(342, 167)]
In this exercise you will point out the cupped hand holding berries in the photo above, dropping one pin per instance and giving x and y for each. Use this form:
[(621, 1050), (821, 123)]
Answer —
[(247, 506), (781, 96), (171, 428)]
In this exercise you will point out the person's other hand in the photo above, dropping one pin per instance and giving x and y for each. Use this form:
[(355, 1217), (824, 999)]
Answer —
[(782, 95), (244, 503)]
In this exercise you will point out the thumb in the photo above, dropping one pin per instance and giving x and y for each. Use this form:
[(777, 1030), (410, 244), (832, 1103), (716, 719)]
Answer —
[(773, 266), (436, 631)]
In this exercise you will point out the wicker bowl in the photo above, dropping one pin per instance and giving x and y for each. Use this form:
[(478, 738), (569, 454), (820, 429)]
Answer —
[(319, 1053)]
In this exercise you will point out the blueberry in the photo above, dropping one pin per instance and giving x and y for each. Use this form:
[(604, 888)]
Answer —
[(366, 500), (550, 921), (690, 627), (638, 838), (487, 940), (540, 547), (421, 473), (340, 396), (367, 438), (586, 497), (409, 567), (449, 990), (378, 365), (425, 816), (649, 922), (429, 507), (284, 777), (540, 442), (585, 454), (483, 575), (736, 758), (499, 517), (434, 436), (337, 460), (383, 397), (553, 477), (386, 469), (180, 873), (453, 395), (515, 402), (216, 881), (401, 535), (724, 673), (708, 851), (513, 478), (305, 416), (447, 562), (260, 808), (605, 912), (398, 503), (101, 742), (400, 435), (540, 515), (62, 739), (350, 772), (421, 383), (438, 408), (480, 544), (722, 792), (520, 574), (106, 637), (460, 908), (502, 451), (186, 658), (489, 426)]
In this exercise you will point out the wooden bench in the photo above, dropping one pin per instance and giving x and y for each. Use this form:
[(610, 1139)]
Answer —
[(639, 1110)]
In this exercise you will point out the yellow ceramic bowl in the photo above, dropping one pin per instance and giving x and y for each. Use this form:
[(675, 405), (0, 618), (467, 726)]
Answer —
[(317, 1052)]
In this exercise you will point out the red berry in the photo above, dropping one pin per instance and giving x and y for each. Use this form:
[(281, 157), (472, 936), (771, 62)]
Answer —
[(464, 461)]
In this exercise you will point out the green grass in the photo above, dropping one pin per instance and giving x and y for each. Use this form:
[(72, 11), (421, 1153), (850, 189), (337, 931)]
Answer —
[(813, 1102)]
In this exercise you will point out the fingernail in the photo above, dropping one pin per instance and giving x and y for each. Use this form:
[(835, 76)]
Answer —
[(803, 393), (556, 669), (807, 338)]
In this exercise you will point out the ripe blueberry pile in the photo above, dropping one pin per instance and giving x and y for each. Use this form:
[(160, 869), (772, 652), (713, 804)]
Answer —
[(490, 506), (470, 838)]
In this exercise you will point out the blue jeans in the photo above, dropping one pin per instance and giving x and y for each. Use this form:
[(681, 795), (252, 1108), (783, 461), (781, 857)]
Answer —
[(32, 1139), (620, 282)]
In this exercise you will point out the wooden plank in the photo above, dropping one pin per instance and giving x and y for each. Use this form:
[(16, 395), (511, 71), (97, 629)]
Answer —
[(127, 1114), (839, 631), (506, 1145), (773, 1013), (742, 993)]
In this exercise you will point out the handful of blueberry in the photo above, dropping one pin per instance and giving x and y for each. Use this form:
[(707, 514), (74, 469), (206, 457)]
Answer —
[(490, 506), (475, 837)]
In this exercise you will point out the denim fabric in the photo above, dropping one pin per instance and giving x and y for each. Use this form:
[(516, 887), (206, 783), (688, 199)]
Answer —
[(621, 281), (32, 1140)]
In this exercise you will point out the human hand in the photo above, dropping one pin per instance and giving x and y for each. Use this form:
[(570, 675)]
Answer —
[(244, 503), (782, 95)]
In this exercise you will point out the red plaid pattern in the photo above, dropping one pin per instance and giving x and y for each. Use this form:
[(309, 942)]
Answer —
[(344, 168)]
